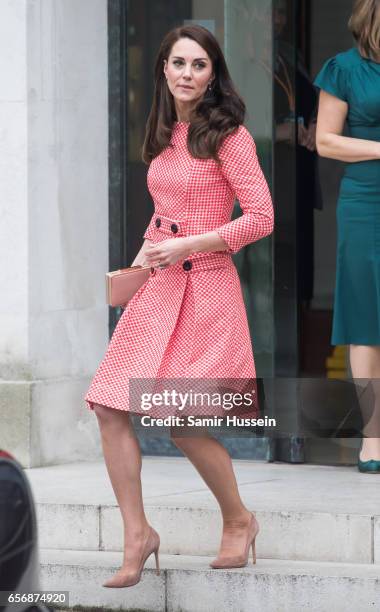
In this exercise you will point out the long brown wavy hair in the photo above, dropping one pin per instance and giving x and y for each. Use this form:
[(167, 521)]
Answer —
[(218, 113), (364, 24)]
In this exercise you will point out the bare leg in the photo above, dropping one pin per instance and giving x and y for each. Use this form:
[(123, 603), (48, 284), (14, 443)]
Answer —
[(123, 460), (214, 465), (365, 368)]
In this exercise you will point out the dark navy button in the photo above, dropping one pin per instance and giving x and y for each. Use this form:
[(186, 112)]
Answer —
[(158, 222), (174, 228), (187, 265)]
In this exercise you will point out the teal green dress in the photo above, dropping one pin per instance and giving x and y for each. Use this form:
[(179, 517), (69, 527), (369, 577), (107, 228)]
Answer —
[(356, 319)]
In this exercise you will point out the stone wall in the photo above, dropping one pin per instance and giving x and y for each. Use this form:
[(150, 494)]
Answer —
[(54, 224)]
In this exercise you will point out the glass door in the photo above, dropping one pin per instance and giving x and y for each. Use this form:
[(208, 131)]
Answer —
[(244, 31)]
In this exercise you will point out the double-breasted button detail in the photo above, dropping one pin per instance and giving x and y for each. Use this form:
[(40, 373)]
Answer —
[(204, 332), (174, 228)]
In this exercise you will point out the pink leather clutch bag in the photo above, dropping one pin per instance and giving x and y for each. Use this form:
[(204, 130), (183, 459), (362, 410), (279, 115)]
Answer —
[(122, 284)]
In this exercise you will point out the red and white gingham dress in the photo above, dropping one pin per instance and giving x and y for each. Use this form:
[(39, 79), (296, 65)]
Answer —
[(189, 320)]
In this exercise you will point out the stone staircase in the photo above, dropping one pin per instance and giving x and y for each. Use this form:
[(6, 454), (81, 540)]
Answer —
[(318, 548)]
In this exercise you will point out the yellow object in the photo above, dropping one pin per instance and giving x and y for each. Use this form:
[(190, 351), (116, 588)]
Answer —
[(336, 364), (341, 374)]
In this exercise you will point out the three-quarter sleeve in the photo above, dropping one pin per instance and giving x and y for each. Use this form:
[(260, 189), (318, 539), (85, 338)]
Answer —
[(333, 79), (241, 168), (148, 234)]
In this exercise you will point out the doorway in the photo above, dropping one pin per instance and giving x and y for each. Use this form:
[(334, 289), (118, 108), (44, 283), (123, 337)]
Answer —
[(274, 49), (243, 29), (306, 34)]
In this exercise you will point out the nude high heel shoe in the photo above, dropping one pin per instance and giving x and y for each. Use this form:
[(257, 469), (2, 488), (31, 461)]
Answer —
[(242, 559), (152, 545)]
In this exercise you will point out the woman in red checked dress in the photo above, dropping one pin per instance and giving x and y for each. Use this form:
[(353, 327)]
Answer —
[(188, 320)]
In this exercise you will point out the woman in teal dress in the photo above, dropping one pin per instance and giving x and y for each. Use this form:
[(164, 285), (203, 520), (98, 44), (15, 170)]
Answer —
[(350, 92)]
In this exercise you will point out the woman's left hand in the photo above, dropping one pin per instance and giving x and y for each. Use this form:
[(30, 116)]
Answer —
[(167, 252)]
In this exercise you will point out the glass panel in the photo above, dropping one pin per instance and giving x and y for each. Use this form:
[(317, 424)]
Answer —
[(117, 136), (244, 31), (285, 193), (285, 254), (144, 24), (248, 49)]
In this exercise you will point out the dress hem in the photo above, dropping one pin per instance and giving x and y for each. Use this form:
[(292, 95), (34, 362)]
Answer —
[(361, 342)]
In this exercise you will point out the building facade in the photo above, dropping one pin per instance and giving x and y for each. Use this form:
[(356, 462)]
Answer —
[(75, 94)]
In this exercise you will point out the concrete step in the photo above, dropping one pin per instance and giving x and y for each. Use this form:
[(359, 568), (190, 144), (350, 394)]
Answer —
[(311, 536), (187, 584), (306, 512)]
